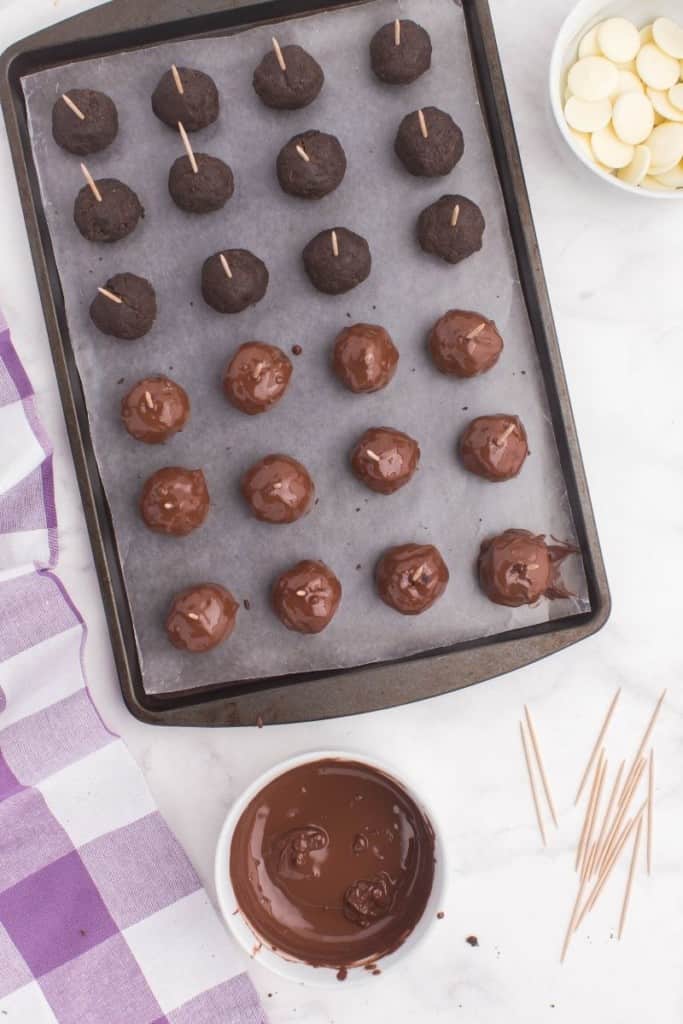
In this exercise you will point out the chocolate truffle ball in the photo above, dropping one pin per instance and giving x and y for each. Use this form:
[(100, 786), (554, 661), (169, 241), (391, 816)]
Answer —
[(365, 358), (110, 219), (133, 316), (400, 52), (296, 86), (197, 105), (201, 617), (306, 597), (451, 228), (207, 190), (256, 377), (311, 165), (175, 500), (155, 409), (433, 155), (337, 260), (494, 447), (411, 577), (278, 489), (94, 131), (385, 459), (464, 344), (237, 281), (517, 568)]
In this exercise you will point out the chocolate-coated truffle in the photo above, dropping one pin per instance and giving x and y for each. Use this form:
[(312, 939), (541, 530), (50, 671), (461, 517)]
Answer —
[(110, 219), (237, 281), (175, 500), (278, 489), (296, 86), (518, 567), (306, 597), (133, 316), (197, 105), (411, 577), (385, 459), (451, 228), (94, 131), (256, 377), (400, 52), (201, 617), (433, 155), (464, 344), (494, 447), (365, 358), (311, 165), (204, 191), (155, 409), (337, 260)]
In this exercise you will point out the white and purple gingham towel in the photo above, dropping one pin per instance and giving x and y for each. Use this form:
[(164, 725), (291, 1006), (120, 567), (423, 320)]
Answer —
[(102, 918)]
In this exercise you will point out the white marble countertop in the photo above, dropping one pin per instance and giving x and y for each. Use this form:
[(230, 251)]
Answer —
[(614, 271)]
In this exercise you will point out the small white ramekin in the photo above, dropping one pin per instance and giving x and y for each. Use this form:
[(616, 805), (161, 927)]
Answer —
[(295, 970)]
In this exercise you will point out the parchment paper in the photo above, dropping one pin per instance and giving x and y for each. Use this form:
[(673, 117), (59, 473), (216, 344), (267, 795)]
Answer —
[(318, 421)]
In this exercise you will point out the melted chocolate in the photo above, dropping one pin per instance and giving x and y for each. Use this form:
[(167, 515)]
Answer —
[(411, 577), (494, 447), (518, 567), (365, 358), (175, 500), (155, 409), (256, 377), (201, 617), (304, 884), (306, 597), (385, 459), (278, 489), (464, 344)]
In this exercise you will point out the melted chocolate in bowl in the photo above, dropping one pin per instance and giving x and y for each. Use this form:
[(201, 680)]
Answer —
[(332, 863)]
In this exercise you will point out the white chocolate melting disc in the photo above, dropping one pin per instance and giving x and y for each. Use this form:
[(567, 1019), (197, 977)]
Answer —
[(582, 142), (587, 117), (593, 78), (656, 68), (646, 34), (666, 145), (653, 185), (665, 109), (634, 172), (610, 150), (675, 96), (628, 82), (672, 178), (633, 118), (619, 39), (588, 47), (668, 36)]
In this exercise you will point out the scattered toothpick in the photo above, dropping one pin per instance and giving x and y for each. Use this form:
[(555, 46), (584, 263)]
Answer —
[(455, 215), (588, 847), (539, 761), (650, 801), (629, 883), (589, 811), (177, 80), (302, 153), (72, 106), (226, 266), (397, 32), (188, 147), (596, 746), (606, 818), (110, 295), (423, 124), (335, 243), (627, 795), (91, 182), (149, 401), (646, 736), (532, 784), (278, 54)]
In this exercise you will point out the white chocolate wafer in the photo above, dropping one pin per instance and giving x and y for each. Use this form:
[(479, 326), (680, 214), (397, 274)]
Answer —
[(675, 96), (634, 172), (666, 110), (610, 150), (618, 39), (672, 178), (633, 119), (668, 36), (628, 82), (587, 117), (646, 34), (656, 68), (653, 185), (582, 142), (593, 78), (666, 145), (588, 47)]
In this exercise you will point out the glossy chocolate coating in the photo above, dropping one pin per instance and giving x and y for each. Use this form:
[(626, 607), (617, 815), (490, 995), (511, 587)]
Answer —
[(204, 191), (494, 447), (411, 577), (293, 88), (518, 567), (197, 106), (464, 344), (155, 409), (316, 177), (332, 863), (337, 274), (111, 219), (90, 134), (402, 64), (201, 617), (256, 377), (233, 294), (385, 459), (131, 318), (306, 597), (365, 358), (437, 234), (435, 155), (278, 489), (175, 500)]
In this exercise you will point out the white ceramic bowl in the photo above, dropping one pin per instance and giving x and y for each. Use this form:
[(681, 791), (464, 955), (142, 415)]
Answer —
[(295, 970), (580, 19)]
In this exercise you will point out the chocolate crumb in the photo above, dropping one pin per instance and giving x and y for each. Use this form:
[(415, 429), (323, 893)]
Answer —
[(297, 350), (82, 931), (359, 566), (472, 940), (120, 380), (465, 408), (259, 722), (357, 510), (441, 915), (316, 501), (247, 604), (376, 971), (342, 974)]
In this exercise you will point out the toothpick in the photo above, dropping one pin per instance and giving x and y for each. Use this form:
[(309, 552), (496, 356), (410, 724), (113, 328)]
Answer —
[(606, 818), (650, 801), (589, 811), (226, 266), (571, 927), (193, 616), (604, 875), (278, 54), (501, 441), (417, 574), (621, 812), (72, 106), (168, 504), (335, 244), (455, 215), (596, 747), (110, 295), (589, 835), (303, 154), (423, 124), (532, 784), (300, 593), (91, 181), (188, 147), (149, 402), (372, 455), (476, 331), (646, 736), (539, 762), (629, 883), (397, 32), (177, 80)]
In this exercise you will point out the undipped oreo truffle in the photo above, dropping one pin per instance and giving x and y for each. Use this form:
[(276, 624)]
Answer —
[(451, 228), (91, 133), (155, 409), (518, 568), (175, 500), (231, 284), (337, 260), (110, 218), (306, 597), (494, 447), (311, 165), (464, 344), (400, 52), (201, 617), (278, 489), (203, 191), (294, 87), (135, 312), (196, 106), (256, 377), (411, 577), (385, 459), (429, 142), (365, 358)]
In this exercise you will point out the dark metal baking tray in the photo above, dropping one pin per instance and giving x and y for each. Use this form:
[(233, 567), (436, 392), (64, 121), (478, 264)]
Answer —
[(128, 24)]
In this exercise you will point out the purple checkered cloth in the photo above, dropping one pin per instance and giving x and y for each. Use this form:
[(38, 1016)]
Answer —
[(102, 918)]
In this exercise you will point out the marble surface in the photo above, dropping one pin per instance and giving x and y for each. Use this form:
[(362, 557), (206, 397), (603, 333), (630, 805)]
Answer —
[(614, 270)]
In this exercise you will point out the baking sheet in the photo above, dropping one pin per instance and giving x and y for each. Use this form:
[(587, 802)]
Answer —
[(318, 421)]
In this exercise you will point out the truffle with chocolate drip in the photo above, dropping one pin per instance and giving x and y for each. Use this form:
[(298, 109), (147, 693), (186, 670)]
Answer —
[(201, 617), (494, 447), (411, 577), (518, 567), (364, 358), (278, 489), (175, 500), (306, 597), (464, 344), (155, 409), (256, 377), (385, 459)]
